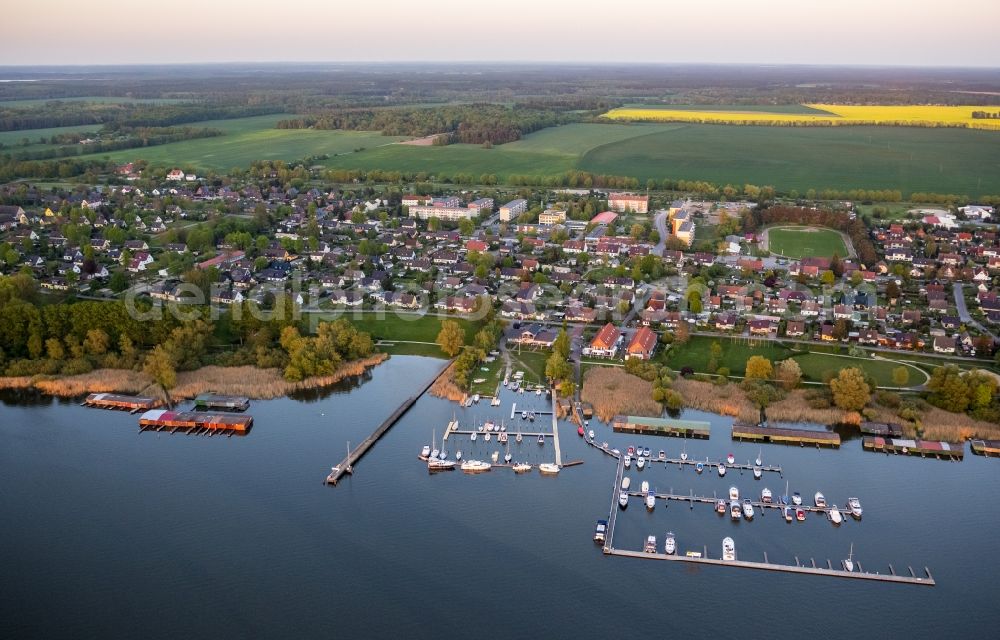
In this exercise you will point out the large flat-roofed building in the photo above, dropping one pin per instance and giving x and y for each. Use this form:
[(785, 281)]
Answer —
[(481, 203), (552, 216), (513, 209), (451, 214), (628, 202)]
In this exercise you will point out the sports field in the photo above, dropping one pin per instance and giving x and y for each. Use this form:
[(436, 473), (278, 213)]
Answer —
[(803, 242)]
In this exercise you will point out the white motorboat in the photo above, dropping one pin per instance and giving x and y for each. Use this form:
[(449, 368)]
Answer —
[(517, 438), (645, 486), (650, 501), (735, 511), (835, 516), (488, 426), (538, 391), (788, 514), (650, 545), (549, 468), (458, 456), (503, 428), (819, 499), (435, 453), (623, 499), (488, 437), (440, 465), (722, 470), (734, 493), (669, 544), (758, 460), (728, 549), (473, 436), (521, 467), (684, 453), (626, 483), (590, 434), (425, 452), (720, 507), (502, 438), (849, 562), (475, 398), (600, 531), (645, 452), (747, 509), (475, 466), (628, 461), (730, 459), (796, 498), (699, 467), (640, 463), (854, 505), (765, 495), (443, 455), (541, 439), (614, 452), (524, 415), (757, 472), (495, 456), (507, 457)]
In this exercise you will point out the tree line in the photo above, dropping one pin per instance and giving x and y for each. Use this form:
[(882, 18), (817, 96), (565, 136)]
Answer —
[(129, 138)]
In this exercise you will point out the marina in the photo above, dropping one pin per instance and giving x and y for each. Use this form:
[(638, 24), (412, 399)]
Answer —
[(782, 435), (662, 427), (922, 448), (120, 402)]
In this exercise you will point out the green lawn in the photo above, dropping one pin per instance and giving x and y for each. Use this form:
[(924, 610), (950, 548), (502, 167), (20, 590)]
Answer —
[(532, 363), (806, 242), (247, 139), (12, 138), (405, 327), (815, 366), (695, 353), (492, 377)]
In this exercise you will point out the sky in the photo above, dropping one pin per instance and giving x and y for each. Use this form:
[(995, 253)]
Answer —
[(868, 32)]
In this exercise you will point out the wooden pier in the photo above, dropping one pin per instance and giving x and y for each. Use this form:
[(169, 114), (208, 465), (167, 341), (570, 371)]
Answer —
[(922, 448), (224, 403), (347, 464), (692, 500), (662, 427), (119, 402), (781, 435), (989, 448)]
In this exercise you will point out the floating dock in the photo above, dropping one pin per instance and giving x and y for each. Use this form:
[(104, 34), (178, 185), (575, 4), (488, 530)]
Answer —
[(781, 435), (161, 419), (120, 402), (692, 500), (662, 427), (985, 447), (223, 403), (922, 448)]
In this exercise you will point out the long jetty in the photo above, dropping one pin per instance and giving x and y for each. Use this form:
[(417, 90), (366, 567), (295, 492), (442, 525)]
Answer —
[(347, 464)]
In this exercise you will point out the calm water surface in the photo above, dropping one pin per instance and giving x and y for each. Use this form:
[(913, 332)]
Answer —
[(107, 532)]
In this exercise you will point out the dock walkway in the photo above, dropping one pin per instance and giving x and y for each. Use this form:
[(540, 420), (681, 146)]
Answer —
[(347, 464)]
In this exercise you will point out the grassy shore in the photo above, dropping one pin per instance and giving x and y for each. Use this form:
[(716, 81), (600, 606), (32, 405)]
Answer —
[(252, 382)]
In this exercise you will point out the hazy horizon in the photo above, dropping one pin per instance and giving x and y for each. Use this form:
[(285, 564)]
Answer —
[(890, 33)]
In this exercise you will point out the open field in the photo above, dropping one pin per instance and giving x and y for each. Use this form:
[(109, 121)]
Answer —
[(821, 115), (11, 138), (793, 109), (406, 327), (96, 99), (249, 139), (806, 242)]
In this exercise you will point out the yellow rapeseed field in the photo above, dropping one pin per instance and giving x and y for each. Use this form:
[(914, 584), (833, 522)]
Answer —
[(839, 115)]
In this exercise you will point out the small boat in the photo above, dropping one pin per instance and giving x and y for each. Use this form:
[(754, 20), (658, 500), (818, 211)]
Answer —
[(487, 437), (788, 514), (734, 493), (524, 415), (757, 473), (693, 554), (475, 398), (720, 507), (735, 511), (517, 438), (684, 453), (531, 416), (796, 499), (728, 550), (615, 452), (747, 509), (854, 505), (541, 439), (475, 466), (458, 456), (604, 445), (630, 450), (699, 467), (443, 454), (628, 461), (520, 389), (495, 456), (650, 545), (488, 426), (849, 562), (502, 437), (765, 495), (626, 483), (722, 470), (549, 468), (538, 391), (623, 499), (472, 436), (503, 427), (669, 544), (591, 434), (835, 516), (800, 514), (645, 486), (758, 460), (579, 431), (819, 499), (645, 452), (440, 465), (783, 499), (522, 467), (730, 459), (650, 501), (640, 463), (435, 453), (600, 531), (425, 452), (662, 455), (507, 457)]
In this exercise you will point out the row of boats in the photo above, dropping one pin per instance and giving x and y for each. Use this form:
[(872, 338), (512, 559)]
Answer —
[(480, 466), (641, 456)]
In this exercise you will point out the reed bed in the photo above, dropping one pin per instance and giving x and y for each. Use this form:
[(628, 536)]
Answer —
[(445, 387), (612, 391), (727, 400), (96, 381)]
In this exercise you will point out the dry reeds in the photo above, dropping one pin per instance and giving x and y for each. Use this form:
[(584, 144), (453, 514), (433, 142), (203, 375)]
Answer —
[(612, 391), (445, 387), (727, 400)]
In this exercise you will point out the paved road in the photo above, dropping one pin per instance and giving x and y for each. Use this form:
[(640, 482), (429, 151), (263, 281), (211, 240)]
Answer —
[(661, 228), (963, 310)]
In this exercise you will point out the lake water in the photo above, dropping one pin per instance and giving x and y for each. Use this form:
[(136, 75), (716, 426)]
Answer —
[(108, 532)]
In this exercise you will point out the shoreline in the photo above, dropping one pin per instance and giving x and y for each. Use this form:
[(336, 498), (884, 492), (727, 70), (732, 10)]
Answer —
[(249, 381)]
